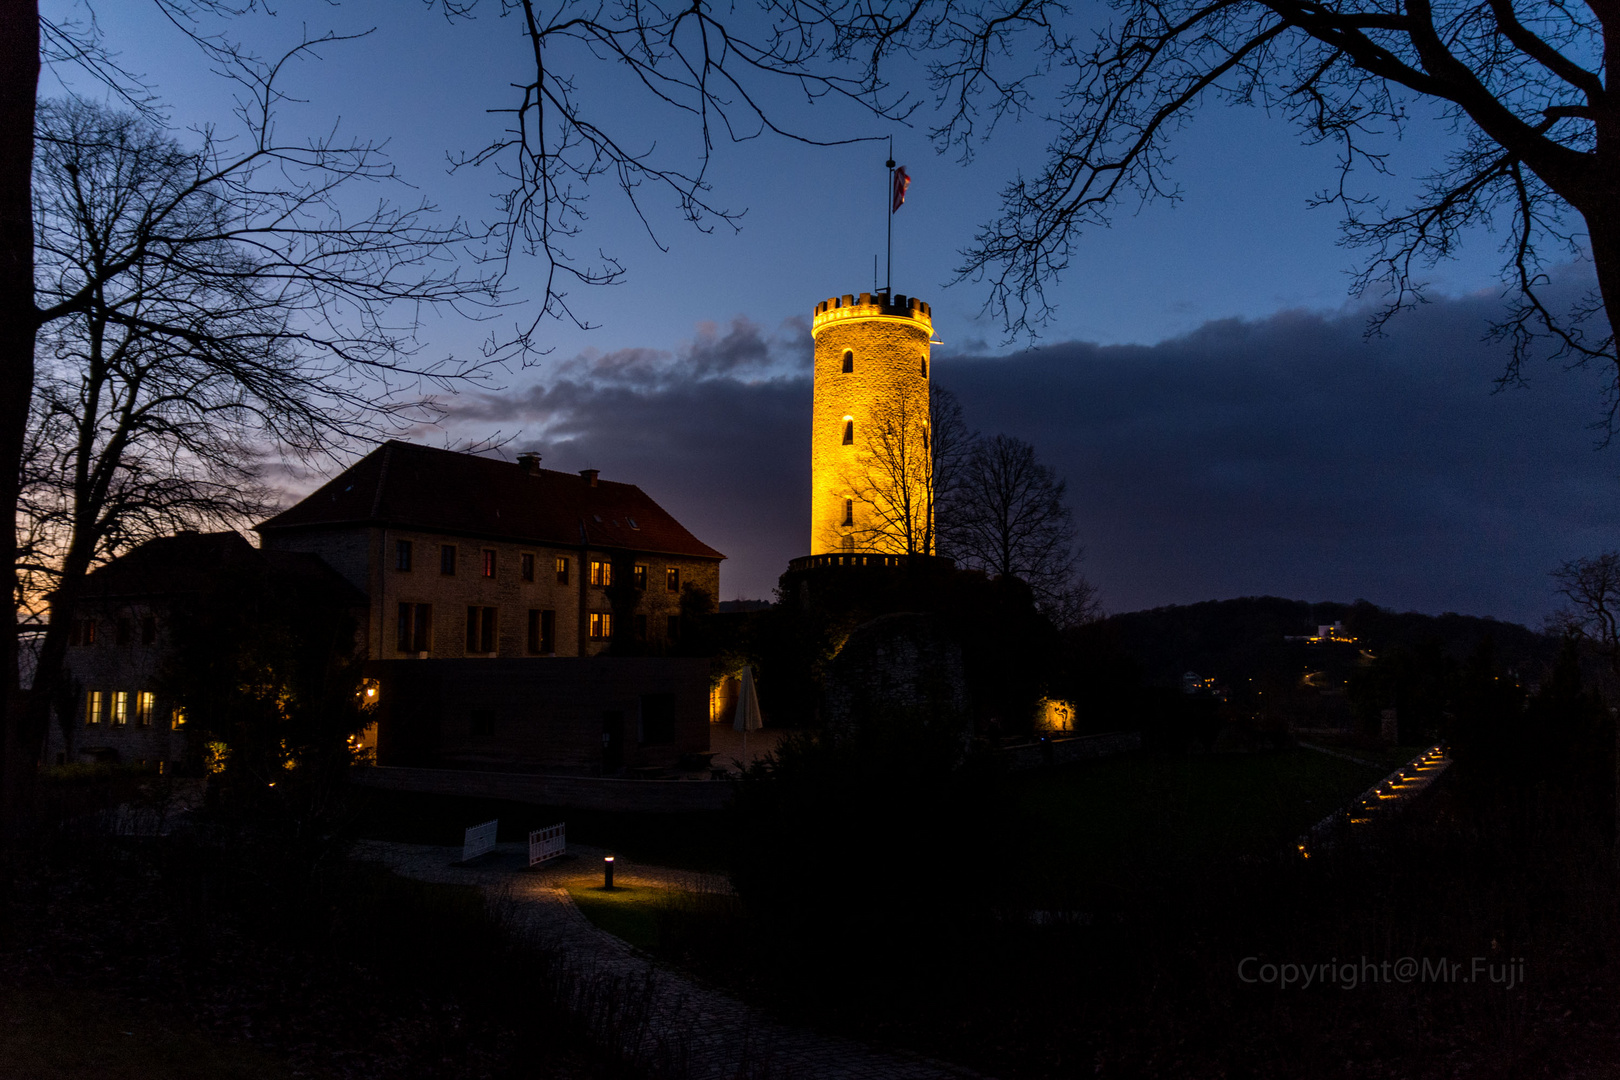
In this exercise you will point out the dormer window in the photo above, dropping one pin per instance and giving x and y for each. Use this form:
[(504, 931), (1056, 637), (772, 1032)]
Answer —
[(849, 361)]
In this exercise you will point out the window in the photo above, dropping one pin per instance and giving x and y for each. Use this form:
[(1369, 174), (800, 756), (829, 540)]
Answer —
[(148, 630), (601, 572), (415, 628), (95, 704), (177, 719), (849, 513), (480, 630), (849, 433), (145, 705), (601, 625), (120, 708), (481, 725), (526, 566), (542, 632), (639, 575), (402, 554), (489, 563), (562, 570), (657, 718), (849, 361), (673, 628), (672, 579), (447, 558), (640, 626), (925, 367), (122, 634), (82, 632)]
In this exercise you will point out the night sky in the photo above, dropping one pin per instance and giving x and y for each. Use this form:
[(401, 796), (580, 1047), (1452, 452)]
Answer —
[(1207, 389)]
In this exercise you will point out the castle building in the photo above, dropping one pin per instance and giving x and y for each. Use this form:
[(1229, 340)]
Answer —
[(871, 488), (468, 556)]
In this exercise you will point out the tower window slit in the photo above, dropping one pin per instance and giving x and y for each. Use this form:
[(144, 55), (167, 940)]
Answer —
[(849, 433), (849, 361)]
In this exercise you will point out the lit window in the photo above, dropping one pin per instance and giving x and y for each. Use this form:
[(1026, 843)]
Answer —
[(601, 572), (402, 555), (120, 708), (640, 575), (177, 719), (447, 558), (562, 570), (849, 361), (672, 579), (145, 705), (489, 563), (849, 433), (94, 704), (526, 566), (601, 626)]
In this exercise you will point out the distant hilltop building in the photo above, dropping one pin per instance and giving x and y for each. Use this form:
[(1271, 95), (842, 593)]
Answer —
[(871, 489)]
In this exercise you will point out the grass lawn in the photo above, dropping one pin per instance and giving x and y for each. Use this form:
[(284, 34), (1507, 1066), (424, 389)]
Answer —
[(1131, 820), (628, 913), (57, 1035)]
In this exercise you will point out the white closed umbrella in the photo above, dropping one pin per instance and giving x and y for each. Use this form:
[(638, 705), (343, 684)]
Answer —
[(748, 718)]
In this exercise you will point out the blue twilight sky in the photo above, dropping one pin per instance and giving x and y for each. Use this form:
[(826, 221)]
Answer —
[(1205, 388)]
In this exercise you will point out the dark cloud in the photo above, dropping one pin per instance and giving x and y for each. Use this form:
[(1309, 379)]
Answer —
[(1287, 455)]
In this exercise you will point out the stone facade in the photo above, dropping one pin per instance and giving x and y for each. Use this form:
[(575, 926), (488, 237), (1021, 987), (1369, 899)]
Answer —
[(114, 709), (469, 557), (871, 361), (117, 705)]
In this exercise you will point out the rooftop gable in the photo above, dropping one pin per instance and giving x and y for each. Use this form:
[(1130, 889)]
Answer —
[(404, 485)]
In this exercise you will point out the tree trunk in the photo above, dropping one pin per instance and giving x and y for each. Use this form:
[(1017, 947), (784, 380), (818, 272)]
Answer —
[(19, 84)]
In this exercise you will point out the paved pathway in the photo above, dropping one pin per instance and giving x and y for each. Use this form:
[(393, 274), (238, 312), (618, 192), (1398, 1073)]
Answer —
[(703, 1033)]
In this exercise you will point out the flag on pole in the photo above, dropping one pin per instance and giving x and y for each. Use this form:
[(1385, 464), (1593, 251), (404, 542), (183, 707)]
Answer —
[(901, 182)]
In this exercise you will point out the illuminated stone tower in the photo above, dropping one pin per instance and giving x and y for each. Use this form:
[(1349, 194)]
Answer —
[(868, 439)]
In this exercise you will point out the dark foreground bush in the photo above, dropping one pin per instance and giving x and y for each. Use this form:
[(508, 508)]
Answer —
[(340, 968)]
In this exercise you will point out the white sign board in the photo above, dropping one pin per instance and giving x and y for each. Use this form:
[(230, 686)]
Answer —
[(480, 840), (548, 843)]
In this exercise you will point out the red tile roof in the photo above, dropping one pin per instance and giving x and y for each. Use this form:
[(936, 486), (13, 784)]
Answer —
[(403, 485)]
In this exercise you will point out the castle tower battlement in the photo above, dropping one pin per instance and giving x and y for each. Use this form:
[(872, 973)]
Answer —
[(869, 479)]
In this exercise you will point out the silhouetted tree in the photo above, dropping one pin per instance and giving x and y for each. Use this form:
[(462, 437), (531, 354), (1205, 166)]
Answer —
[(197, 306), (892, 476), (1009, 519), (1592, 587), (1526, 85)]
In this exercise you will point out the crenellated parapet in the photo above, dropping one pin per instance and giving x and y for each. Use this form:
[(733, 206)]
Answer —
[(838, 309)]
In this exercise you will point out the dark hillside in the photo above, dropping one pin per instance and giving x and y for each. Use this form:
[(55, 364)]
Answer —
[(1243, 639)]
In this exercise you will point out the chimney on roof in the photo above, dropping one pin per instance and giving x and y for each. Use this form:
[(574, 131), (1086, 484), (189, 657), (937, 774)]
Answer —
[(590, 475), (530, 462)]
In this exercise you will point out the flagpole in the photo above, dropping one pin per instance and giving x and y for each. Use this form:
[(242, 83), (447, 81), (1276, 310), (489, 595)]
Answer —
[(888, 285)]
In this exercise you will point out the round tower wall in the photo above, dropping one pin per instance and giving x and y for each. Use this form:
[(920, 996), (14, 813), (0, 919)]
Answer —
[(891, 365)]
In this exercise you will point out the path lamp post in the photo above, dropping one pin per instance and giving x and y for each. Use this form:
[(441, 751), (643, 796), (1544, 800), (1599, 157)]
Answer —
[(607, 872)]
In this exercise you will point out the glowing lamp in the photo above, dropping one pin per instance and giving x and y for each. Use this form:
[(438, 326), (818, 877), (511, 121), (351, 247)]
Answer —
[(607, 872)]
